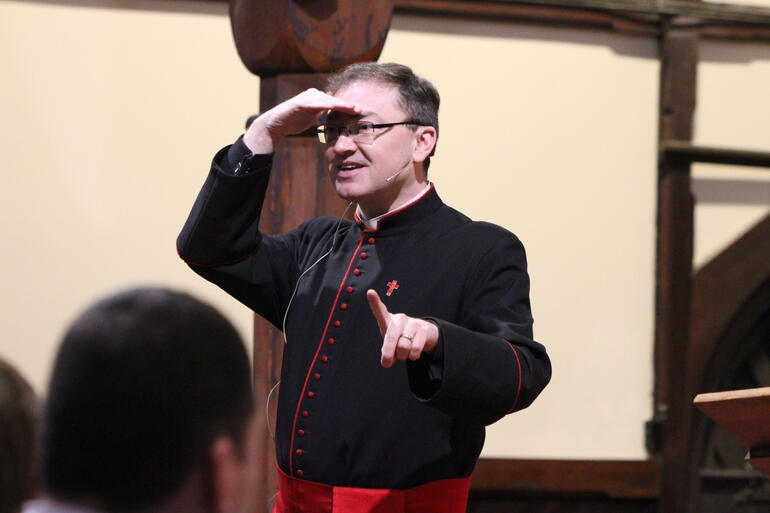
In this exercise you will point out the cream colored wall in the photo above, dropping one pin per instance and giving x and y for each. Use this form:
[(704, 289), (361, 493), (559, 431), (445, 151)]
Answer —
[(733, 111), (111, 117)]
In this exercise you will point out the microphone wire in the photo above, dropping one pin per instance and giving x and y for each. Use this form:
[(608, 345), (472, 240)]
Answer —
[(286, 313)]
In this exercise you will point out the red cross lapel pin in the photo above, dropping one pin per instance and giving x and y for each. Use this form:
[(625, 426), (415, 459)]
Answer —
[(392, 285)]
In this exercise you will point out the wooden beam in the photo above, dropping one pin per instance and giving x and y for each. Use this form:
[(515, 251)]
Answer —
[(717, 21), (617, 479), (636, 17), (532, 13), (683, 151), (679, 54), (704, 12)]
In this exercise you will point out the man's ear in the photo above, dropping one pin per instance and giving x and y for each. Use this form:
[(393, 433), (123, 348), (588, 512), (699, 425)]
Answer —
[(425, 141), (225, 475)]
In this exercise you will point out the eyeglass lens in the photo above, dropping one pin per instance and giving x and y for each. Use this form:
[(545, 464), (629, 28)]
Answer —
[(360, 132)]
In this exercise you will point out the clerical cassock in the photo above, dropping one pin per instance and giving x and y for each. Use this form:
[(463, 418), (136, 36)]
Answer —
[(344, 421)]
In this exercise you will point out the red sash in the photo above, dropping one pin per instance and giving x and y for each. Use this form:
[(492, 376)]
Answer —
[(301, 496)]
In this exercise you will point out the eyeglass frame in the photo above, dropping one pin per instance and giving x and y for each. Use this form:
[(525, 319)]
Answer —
[(345, 130)]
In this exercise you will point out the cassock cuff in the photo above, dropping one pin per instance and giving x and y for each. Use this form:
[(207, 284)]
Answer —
[(426, 372), (239, 160)]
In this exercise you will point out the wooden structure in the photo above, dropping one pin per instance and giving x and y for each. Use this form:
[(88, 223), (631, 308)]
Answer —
[(291, 44), (745, 414)]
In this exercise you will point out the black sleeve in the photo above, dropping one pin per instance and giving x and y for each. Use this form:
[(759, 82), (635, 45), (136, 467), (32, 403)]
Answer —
[(221, 240), (487, 365)]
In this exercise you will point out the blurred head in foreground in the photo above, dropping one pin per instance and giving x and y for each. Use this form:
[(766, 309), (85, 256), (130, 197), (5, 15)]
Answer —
[(18, 423), (150, 408)]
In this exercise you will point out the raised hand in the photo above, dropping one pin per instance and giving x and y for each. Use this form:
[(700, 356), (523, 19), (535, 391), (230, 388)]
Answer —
[(402, 336), (293, 116)]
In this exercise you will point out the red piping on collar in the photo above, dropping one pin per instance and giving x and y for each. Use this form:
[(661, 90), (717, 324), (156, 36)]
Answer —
[(399, 209)]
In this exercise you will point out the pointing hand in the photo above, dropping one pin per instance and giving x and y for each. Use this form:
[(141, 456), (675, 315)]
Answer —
[(402, 336)]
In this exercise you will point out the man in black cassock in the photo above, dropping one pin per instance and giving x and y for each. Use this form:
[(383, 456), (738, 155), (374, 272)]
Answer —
[(408, 329)]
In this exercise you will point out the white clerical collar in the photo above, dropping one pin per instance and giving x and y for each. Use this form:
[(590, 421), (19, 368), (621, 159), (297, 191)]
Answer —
[(372, 224)]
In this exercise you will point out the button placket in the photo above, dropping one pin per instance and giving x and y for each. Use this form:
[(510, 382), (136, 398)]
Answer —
[(344, 307)]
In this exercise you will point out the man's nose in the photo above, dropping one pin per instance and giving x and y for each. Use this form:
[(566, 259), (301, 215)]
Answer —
[(344, 143)]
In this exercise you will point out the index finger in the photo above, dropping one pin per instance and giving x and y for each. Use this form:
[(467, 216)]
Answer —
[(344, 107), (332, 103), (379, 310)]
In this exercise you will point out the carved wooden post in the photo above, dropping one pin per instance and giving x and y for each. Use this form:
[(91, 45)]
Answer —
[(292, 45), (679, 52)]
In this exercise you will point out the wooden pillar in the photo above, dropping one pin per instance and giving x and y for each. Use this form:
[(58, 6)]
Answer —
[(674, 269), (293, 45), (299, 190)]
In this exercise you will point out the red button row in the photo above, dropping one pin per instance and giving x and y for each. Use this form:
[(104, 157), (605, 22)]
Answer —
[(325, 359), (300, 452)]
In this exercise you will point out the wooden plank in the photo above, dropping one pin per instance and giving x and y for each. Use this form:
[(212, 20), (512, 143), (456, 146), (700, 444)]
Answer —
[(618, 479), (745, 414), (686, 152), (709, 399), (717, 21), (703, 11), (643, 17), (711, 12), (706, 12), (636, 23)]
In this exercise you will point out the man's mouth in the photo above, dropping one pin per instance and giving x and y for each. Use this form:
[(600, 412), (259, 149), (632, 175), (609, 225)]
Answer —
[(348, 167)]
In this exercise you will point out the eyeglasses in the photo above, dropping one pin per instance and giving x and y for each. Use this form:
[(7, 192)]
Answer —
[(362, 132)]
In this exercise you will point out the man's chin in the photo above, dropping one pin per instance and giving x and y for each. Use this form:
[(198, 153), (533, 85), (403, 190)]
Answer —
[(347, 191)]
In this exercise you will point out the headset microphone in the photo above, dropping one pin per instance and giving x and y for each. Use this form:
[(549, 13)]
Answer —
[(391, 178)]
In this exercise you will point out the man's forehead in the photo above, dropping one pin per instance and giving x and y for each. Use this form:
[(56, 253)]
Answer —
[(373, 97), (337, 116)]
